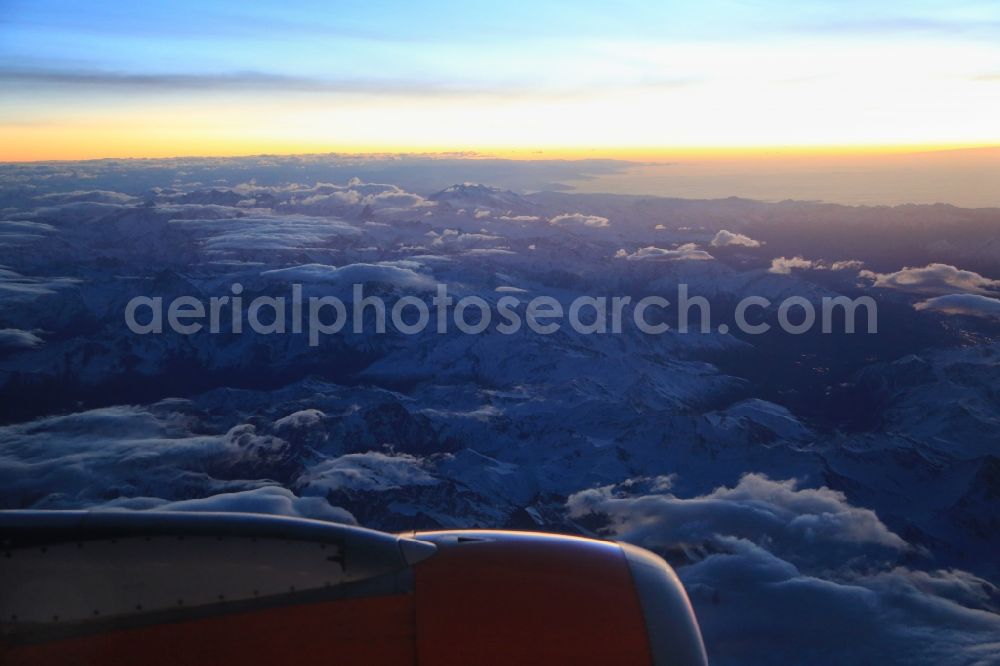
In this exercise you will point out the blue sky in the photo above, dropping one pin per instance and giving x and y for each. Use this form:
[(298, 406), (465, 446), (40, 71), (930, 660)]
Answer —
[(77, 63)]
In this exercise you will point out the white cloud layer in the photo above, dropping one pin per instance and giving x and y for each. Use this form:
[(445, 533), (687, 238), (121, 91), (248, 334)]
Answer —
[(933, 279), (725, 238), (15, 338), (806, 569), (579, 219), (688, 251), (785, 265), (975, 305), (273, 500), (402, 274)]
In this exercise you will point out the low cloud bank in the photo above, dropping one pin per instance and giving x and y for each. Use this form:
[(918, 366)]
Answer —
[(687, 251), (785, 265), (579, 219), (819, 577), (974, 305), (726, 238), (933, 279)]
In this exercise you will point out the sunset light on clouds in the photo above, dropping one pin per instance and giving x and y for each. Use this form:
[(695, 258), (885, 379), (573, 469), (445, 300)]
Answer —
[(566, 78)]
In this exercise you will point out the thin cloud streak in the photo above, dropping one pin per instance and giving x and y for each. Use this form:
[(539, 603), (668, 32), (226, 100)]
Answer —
[(225, 81), (251, 80)]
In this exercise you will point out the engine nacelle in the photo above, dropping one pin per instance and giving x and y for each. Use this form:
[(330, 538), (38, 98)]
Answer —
[(202, 588)]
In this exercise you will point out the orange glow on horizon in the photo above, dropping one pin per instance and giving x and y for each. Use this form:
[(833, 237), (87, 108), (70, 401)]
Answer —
[(27, 144)]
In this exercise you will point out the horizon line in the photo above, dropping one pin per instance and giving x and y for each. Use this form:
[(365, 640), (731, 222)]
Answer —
[(623, 154)]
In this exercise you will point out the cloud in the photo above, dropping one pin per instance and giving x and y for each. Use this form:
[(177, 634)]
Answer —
[(489, 251), (305, 418), (267, 232), (343, 197), (847, 265), (815, 525), (234, 81), (932, 279), (321, 200), (891, 616), (579, 219), (272, 500), (23, 232), (688, 251), (17, 287), (398, 273), (303, 273), (519, 218), (356, 195), (453, 237), (372, 472), (25, 226), (815, 574), (83, 459), (15, 338), (785, 265), (975, 305), (89, 196), (725, 238)]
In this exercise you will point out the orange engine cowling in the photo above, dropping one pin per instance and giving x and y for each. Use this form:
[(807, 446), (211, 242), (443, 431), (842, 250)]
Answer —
[(518, 598), (185, 588)]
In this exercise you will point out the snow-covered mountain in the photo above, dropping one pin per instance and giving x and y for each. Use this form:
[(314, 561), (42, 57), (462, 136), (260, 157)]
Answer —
[(853, 477)]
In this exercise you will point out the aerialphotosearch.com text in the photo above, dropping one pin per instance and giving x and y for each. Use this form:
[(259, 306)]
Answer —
[(318, 316)]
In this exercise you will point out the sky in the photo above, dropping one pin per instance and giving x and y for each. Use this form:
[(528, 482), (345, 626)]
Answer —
[(548, 77)]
